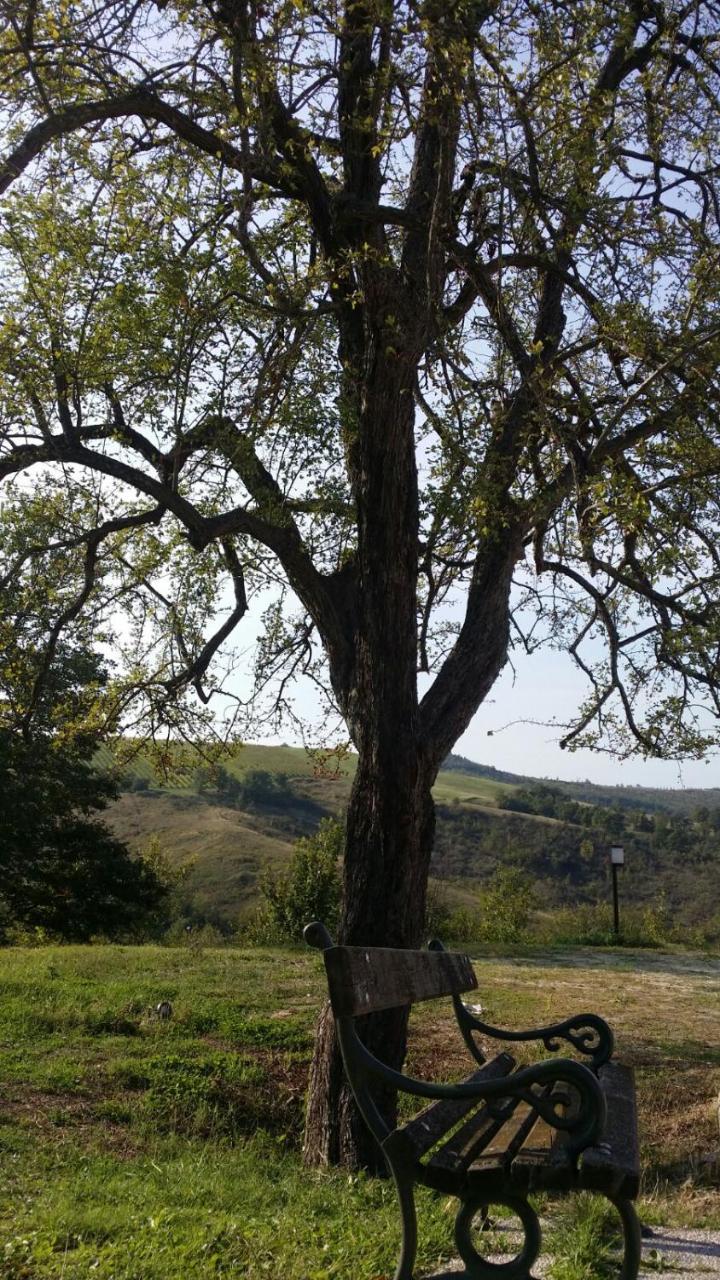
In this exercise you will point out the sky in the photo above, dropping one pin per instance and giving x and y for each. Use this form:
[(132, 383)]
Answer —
[(513, 730), (546, 687)]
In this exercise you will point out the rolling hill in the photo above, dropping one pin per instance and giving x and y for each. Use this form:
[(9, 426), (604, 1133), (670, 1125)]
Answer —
[(229, 844)]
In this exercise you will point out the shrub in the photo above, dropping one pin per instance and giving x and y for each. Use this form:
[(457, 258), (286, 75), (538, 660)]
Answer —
[(507, 904), (438, 914), (309, 890)]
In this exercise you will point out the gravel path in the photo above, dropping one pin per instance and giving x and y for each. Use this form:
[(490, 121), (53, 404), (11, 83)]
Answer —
[(679, 1253), (686, 1252)]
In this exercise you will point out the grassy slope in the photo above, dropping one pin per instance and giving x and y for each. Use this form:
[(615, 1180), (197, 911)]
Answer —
[(136, 1150), (230, 849)]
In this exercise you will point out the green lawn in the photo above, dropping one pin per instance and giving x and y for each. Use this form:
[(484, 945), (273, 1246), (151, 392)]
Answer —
[(138, 1150)]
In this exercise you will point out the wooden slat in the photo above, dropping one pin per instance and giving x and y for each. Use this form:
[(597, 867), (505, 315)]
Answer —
[(613, 1166), (522, 1133), (430, 1125), (365, 979), (458, 1153), (545, 1163)]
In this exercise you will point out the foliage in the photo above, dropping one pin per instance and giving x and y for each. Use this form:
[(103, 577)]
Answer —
[(438, 914), (309, 889), (506, 906), (402, 321), (677, 859), (674, 854), (502, 912), (186, 249), (62, 870), (260, 787)]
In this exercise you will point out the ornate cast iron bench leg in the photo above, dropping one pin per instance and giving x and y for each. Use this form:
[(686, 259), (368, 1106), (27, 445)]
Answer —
[(479, 1268), (631, 1236), (405, 1187), (519, 1267)]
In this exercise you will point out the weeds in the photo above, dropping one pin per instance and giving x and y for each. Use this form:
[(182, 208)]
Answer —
[(586, 1243)]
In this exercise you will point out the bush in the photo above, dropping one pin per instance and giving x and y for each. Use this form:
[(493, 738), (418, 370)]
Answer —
[(593, 926), (438, 914), (309, 890), (507, 904)]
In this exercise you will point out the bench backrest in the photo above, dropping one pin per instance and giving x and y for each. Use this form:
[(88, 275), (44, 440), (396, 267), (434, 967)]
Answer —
[(366, 979)]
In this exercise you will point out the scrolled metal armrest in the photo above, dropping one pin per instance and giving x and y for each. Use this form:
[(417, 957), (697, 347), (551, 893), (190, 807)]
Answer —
[(531, 1084), (588, 1033)]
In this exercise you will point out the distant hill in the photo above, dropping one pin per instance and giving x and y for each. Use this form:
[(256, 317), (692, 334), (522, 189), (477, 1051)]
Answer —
[(649, 799), (558, 833)]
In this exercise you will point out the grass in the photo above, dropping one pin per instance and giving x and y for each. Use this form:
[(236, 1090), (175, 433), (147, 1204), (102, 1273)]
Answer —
[(132, 1148)]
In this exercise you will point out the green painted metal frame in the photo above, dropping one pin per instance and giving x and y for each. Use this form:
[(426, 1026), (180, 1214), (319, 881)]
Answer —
[(586, 1032)]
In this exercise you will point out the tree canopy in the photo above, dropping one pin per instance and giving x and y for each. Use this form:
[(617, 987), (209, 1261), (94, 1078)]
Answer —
[(218, 214), (61, 868)]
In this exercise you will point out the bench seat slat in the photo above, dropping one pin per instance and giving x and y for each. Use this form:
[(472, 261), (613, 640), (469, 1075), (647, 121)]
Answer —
[(471, 1139), (366, 979), (613, 1166), (431, 1124), (522, 1133)]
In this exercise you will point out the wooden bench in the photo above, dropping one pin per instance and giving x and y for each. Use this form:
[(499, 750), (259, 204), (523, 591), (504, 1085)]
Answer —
[(559, 1126)]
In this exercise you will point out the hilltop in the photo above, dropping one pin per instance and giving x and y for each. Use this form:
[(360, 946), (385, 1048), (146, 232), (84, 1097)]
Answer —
[(649, 799)]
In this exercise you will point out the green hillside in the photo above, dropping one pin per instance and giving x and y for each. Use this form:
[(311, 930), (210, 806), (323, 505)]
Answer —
[(483, 822), (229, 847), (648, 799)]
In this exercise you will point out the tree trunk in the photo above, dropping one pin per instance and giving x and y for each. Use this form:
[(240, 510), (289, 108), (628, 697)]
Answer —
[(390, 830), (390, 818)]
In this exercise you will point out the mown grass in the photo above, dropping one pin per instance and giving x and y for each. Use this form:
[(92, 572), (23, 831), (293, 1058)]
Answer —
[(136, 1149)]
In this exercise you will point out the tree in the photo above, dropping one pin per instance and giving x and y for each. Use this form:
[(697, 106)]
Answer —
[(61, 869), (409, 309)]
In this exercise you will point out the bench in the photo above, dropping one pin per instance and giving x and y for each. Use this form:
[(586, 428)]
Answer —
[(560, 1125)]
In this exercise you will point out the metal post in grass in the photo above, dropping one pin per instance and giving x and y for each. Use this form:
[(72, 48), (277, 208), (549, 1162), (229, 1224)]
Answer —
[(617, 859)]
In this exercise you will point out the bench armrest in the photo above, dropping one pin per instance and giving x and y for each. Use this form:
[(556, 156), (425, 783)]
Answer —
[(535, 1085), (588, 1033)]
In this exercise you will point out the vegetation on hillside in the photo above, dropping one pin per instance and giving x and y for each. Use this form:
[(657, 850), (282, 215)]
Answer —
[(61, 869), (558, 842), (308, 890)]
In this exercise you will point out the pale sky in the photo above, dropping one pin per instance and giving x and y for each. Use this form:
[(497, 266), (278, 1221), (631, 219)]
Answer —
[(546, 687)]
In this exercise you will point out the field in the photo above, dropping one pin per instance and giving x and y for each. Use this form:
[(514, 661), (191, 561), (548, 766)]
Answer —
[(135, 1149)]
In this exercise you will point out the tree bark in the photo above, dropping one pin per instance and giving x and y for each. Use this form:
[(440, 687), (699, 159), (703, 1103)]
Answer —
[(390, 831), (390, 818)]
